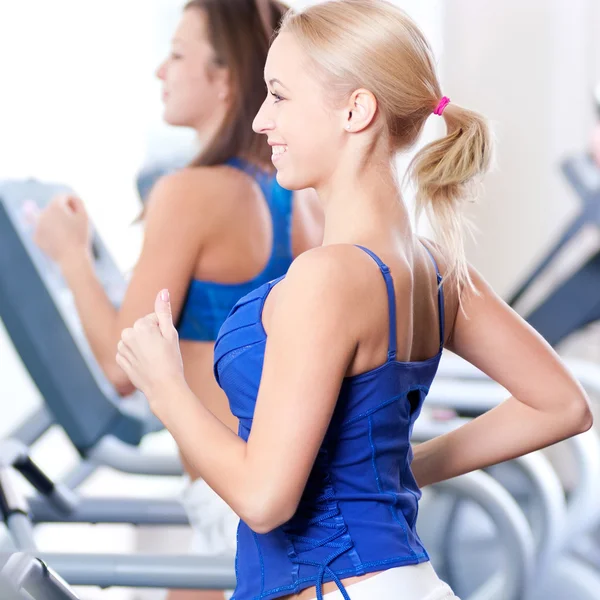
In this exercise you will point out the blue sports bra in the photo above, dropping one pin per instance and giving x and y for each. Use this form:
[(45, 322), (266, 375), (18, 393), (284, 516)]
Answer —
[(358, 511), (208, 303)]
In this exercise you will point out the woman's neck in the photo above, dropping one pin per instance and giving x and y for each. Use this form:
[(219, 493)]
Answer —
[(209, 128), (363, 205)]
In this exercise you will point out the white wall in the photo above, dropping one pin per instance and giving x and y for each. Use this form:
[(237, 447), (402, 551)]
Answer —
[(530, 67)]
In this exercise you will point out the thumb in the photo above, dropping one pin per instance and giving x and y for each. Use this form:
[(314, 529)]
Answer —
[(73, 204), (162, 308)]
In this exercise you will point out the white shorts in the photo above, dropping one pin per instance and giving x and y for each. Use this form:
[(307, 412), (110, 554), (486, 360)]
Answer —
[(412, 582), (214, 524)]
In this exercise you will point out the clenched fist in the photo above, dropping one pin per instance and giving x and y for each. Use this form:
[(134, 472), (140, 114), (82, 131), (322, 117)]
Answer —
[(149, 352)]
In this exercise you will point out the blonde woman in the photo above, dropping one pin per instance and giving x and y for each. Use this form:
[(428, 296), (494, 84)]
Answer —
[(327, 368)]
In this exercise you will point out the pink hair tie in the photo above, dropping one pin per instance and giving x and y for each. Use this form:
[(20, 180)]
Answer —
[(439, 109)]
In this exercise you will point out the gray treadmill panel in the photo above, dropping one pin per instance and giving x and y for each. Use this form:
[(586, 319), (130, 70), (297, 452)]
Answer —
[(583, 174), (23, 577), (39, 314)]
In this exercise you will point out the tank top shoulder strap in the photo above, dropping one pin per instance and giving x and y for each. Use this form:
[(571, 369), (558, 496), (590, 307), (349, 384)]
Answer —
[(440, 295), (236, 163), (389, 283)]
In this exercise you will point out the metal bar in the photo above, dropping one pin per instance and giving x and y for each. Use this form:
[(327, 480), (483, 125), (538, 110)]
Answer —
[(112, 510), (30, 578), (21, 531), (34, 426), (79, 474), (112, 452), (516, 538), (139, 570)]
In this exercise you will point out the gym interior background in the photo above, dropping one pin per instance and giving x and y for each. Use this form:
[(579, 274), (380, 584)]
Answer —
[(80, 105)]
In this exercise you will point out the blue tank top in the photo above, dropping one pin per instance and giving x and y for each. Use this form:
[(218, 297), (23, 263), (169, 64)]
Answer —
[(358, 511), (208, 303)]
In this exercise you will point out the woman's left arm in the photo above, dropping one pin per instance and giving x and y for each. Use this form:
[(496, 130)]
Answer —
[(547, 404), (309, 348)]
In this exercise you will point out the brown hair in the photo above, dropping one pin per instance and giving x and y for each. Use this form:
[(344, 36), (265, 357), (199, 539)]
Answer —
[(240, 32)]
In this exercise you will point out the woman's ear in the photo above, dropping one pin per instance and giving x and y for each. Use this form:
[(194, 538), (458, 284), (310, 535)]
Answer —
[(360, 110)]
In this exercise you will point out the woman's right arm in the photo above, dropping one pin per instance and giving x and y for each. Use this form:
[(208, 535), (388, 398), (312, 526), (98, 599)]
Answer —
[(176, 225), (546, 405)]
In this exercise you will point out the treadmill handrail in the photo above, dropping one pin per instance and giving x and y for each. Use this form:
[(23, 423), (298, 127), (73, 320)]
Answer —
[(112, 452), (551, 514), (516, 579)]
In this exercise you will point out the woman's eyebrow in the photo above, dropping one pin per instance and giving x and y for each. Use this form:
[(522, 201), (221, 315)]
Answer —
[(274, 80)]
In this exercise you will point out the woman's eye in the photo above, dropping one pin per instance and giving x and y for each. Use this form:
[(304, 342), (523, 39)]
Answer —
[(277, 97)]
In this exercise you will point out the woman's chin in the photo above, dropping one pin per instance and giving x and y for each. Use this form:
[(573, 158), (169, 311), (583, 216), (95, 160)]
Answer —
[(286, 180), (174, 120)]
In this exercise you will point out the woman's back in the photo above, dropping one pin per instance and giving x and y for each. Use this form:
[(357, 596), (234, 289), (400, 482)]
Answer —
[(255, 229), (365, 456), (416, 284), (240, 245)]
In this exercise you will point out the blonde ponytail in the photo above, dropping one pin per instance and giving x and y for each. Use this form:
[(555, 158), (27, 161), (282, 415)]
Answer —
[(445, 174)]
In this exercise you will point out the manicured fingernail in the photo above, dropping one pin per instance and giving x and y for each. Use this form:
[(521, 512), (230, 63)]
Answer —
[(165, 295)]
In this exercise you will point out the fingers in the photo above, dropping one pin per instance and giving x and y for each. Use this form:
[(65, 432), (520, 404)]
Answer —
[(162, 308), (75, 204), (60, 201), (124, 363), (67, 203), (124, 351), (124, 356), (146, 323), (128, 336)]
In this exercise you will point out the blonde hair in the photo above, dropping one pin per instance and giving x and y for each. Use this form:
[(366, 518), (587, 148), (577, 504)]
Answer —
[(375, 45)]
